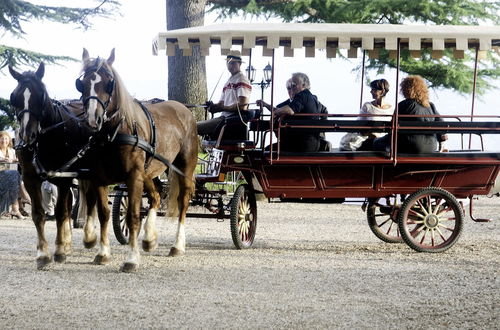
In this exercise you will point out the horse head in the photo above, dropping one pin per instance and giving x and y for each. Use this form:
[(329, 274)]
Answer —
[(97, 85), (29, 98)]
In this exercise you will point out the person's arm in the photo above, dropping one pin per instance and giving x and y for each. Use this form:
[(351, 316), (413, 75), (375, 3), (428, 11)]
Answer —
[(241, 105), (262, 103), (284, 111)]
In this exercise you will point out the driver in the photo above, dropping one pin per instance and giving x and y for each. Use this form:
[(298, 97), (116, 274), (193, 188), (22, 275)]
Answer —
[(235, 96)]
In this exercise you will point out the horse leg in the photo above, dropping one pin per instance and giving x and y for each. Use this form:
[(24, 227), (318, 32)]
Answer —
[(185, 190), (134, 187), (34, 188), (89, 233), (103, 256), (63, 236), (150, 239)]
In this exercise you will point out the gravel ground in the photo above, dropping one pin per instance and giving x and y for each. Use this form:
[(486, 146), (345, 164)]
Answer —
[(311, 266)]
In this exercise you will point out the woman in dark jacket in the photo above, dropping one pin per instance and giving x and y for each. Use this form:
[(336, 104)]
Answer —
[(416, 102)]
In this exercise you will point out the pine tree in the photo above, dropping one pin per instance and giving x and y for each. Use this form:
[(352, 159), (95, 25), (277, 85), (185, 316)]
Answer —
[(12, 15)]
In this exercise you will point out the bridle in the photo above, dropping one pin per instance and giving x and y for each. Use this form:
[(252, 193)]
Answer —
[(110, 87)]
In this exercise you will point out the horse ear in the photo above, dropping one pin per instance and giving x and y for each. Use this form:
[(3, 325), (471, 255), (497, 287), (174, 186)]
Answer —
[(14, 73), (111, 57), (85, 55), (40, 71)]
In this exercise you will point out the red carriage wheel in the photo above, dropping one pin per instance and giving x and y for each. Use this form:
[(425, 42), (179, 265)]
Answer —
[(243, 217), (119, 216), (382, 216), (431, 220)]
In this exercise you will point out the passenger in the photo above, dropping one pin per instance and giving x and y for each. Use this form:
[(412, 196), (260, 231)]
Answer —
[(416, 102), (10, 179), (324, 144), (379, 106), (303, 102), (235, 96), (282, 104)]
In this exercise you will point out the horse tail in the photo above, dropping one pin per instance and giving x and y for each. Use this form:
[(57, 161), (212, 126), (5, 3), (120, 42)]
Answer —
[(173, 194)]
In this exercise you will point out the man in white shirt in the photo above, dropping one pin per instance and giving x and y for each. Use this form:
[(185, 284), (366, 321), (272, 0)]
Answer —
[(235, 95)]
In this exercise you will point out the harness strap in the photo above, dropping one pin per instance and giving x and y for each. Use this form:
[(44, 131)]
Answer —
[(150, 150), (152, 127)]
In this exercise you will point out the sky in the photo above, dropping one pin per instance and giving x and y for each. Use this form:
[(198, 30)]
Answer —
[(131, 34)]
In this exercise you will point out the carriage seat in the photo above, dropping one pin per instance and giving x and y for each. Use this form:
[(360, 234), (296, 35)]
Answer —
[(232, 132)]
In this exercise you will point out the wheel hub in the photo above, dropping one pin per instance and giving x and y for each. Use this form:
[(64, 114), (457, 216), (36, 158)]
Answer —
[(431, 221)]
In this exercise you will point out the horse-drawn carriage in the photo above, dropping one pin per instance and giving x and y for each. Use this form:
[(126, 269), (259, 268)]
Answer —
[(407, 197), (415, 198)]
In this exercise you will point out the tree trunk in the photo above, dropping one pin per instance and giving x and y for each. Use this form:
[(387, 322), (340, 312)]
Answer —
[(187, 81)]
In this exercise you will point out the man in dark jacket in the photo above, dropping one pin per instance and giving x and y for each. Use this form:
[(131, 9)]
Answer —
[(303, 102)]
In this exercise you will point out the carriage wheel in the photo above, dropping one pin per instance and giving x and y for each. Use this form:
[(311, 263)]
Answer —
[(382, 218), (431, 220), (243, 217), (119, 217)]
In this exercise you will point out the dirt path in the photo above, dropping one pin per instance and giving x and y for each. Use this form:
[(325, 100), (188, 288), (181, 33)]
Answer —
[(312, 266)]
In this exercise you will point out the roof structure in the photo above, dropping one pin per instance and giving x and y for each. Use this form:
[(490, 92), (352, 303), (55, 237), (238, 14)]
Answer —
[(312, 36)]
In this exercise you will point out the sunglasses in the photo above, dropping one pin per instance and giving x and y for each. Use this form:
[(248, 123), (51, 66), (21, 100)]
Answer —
[(292, 85)]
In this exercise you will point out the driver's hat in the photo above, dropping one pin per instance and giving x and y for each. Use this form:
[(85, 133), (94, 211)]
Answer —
[(234, 56)]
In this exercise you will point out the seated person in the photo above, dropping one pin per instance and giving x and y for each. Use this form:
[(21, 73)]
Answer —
[(416, 102), (324, 144), (234, 99), (379, 106), (303, 102)]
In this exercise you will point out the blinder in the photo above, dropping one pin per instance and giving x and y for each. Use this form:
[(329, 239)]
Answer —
[(79, 85), (109, 87)]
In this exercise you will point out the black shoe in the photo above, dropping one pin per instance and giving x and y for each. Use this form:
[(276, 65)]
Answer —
[(50, 217)]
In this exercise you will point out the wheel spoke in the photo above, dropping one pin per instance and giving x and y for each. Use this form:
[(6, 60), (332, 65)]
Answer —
[(384, 222), (424, 231), (417, 231), (414, 212), (440, 234), (447, 228), (389, 229), (438, 205)]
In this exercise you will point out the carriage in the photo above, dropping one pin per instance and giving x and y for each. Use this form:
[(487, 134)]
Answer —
[(416, 198)]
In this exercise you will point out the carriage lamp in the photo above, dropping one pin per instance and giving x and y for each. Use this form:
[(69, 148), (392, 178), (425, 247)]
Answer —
[(266, 79), (251, 73)]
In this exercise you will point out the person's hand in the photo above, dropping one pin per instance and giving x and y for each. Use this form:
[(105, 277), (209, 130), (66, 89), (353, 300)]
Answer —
[(212, 107), (208, 104), (443, 137), (261, 103)]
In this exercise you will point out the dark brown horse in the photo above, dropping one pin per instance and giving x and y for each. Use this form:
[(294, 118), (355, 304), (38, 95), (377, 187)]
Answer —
[(50, 135), (147, 139)]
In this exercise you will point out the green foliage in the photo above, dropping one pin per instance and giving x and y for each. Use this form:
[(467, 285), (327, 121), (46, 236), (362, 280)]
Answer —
[(447, 72), (13, 13), (7, 115), (17, 56)]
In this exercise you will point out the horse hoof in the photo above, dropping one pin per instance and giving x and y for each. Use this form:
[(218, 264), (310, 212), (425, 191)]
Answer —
[(60, 258), (128, 267), (101, 260), (90, 244), (174, 252), (42, 262), (149, 246)]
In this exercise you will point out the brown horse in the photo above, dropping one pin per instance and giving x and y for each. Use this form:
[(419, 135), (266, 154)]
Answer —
[(146, 140), (50, 135)]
